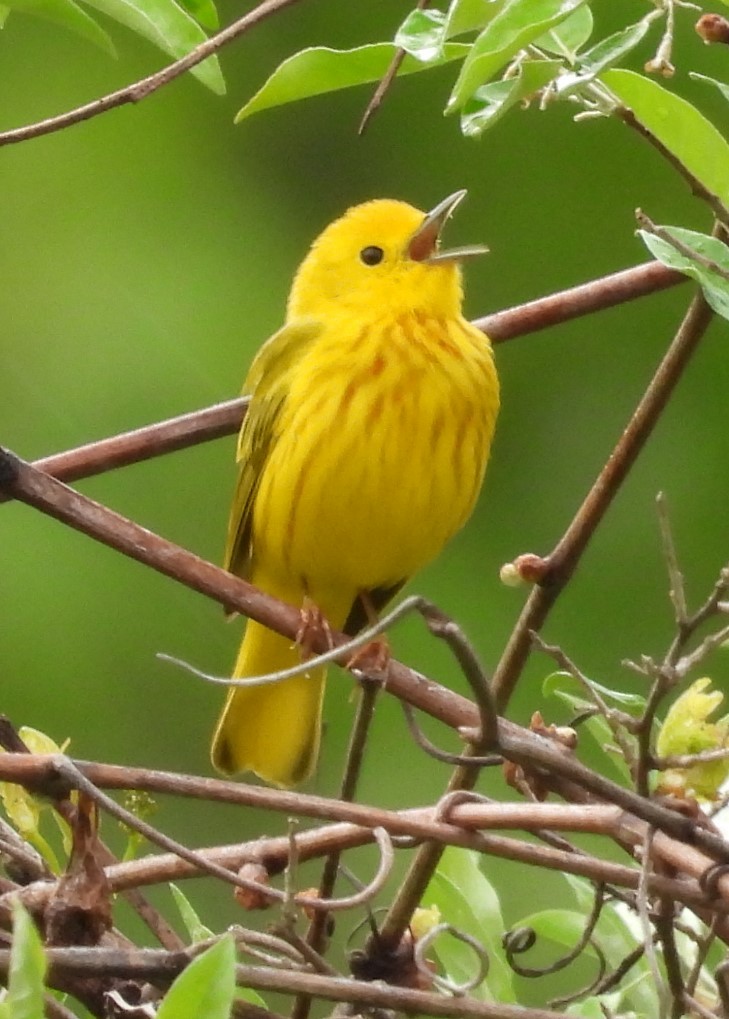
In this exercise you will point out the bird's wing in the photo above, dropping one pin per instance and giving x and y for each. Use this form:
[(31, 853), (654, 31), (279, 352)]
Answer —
[(267, 383)]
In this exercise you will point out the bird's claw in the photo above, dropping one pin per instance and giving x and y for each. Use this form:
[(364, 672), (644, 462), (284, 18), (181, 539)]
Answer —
[(313, 631), (373, 658)]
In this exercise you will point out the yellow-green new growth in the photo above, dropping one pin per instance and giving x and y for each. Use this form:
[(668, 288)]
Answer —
[(687, 731)]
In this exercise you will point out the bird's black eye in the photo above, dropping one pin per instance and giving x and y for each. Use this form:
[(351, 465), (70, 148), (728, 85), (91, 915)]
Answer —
[(372, 255)]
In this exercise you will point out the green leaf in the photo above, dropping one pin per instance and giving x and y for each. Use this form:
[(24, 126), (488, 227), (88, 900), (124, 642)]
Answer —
[(4, 11), (69, 15), (168, 27), (723, 88), (315, 71), (566, 688), (489, 103), (566, 39), (205, 988), (678, 125), (422, 34), (714, 286), (559, 682), (203, 11), (589, 1008), (469, 15), (602, 56), (26, 992), (196, 929), (251, 996), (467, 900), (516, 25)]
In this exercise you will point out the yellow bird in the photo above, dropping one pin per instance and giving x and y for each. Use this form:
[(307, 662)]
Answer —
[(363, 450)]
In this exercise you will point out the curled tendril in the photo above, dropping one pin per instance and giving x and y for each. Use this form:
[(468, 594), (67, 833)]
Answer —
[(518, 941), (432, 750), (590, 988), (709, 879), (443, 983), (368, 891), (444, 806), (721, 975)]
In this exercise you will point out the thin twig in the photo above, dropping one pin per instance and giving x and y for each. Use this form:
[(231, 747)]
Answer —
[(584, 299), (645, 923), (663, 923), (67, 771), (689, 760), (317, 933), (445, 628), (141, 89), (563, 560), (616, 720), (697, 187), (11, 740), (432, 750), (381, 91), (141, 444), (710, 607), (673, 667), (647, 224), (341, 652), (710, 643), (677, 590)]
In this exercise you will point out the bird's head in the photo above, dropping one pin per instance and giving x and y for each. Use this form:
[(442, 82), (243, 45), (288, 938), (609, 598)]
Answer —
[(382, 256)]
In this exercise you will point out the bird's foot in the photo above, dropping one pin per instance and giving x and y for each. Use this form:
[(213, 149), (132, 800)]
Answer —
[(373, 659), (313, 631)]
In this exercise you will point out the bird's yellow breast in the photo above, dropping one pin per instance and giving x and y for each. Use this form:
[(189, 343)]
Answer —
[(378, 455)]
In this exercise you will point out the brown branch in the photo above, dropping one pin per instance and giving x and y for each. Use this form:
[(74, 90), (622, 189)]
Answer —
[(316, 935), (32, 486), (225, 418), (153, 964), (382, 89), (697, 188), (585, 299), (52, 497), (463, 827), (147, 442), (563, 560), (146, 86)]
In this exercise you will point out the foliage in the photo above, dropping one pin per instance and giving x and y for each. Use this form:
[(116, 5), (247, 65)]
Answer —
[(25, 993)]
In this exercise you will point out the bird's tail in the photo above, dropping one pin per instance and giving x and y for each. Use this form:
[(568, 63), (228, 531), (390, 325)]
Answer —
[(273, 730)]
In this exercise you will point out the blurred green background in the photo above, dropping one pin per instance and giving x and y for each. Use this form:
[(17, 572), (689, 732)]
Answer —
[(146, 254)]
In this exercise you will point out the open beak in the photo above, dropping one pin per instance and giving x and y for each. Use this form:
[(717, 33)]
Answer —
[(423, 245)]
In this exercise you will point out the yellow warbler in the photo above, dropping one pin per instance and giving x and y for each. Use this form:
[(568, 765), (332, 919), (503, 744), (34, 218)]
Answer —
[(363, 450)]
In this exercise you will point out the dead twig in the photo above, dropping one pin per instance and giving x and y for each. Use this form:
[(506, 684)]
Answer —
[(141, 89)]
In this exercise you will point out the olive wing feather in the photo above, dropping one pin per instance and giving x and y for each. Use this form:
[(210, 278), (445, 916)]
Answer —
[(267, 384)]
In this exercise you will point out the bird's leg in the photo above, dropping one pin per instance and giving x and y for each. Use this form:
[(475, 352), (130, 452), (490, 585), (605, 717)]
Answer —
[(373, 658), (313, 629)]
